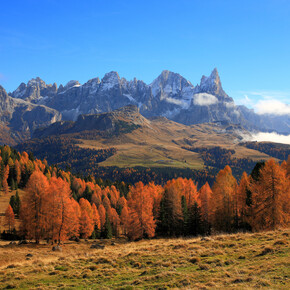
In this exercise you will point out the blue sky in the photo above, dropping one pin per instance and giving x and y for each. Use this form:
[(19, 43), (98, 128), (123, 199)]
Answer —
[(248, 41)]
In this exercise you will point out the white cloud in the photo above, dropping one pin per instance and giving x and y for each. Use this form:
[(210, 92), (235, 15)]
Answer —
[(174, 101), (204, 99), (270, 137), (266, 102), (274, 107)]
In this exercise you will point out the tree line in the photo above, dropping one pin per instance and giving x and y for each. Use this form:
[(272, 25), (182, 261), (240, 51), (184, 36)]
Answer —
[(56, 205)]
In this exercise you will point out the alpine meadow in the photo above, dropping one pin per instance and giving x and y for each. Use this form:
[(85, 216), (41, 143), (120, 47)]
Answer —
[(122, 166)]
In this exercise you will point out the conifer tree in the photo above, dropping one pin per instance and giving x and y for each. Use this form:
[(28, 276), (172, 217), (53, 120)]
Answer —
[(107, 232), (9, 219), (271, 198), (206, 207), (224, 191), (170, 216), (140, 202), (195, 225), (33, 210)]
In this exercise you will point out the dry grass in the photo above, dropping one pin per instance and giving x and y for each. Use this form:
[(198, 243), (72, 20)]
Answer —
[(162, 145), (243, 261)]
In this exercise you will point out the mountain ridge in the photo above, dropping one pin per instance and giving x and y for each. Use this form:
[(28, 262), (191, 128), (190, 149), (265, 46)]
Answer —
[(169, 95)]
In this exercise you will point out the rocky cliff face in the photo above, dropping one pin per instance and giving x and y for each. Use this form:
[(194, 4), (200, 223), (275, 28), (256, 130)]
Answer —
[(169, 95), (23, 117), (119, 120)]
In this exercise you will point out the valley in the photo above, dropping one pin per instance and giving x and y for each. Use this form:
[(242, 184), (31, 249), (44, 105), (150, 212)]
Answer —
[(125, 139)]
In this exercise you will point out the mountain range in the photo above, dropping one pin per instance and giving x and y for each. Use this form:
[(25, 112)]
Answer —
[(37, 104)]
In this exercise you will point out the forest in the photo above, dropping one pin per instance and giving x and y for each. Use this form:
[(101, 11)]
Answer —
[(280, 151), (57, 206), (64, 152), (218, 158)]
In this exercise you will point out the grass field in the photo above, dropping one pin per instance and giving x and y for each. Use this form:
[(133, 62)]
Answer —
[(161, 145), (240, 261)]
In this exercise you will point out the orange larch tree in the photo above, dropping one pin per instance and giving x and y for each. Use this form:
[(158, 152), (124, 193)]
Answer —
[(134, 230), (140, 202), (9, 218), (60, 215), (5, 178), (115, 221), (224, 200), (102, 213), (124, 217), (271, 198), (156, 192), (17, 171), (86, 220), (86, 225), (206, 206), (33, 207), (244, 199), (96, 217)]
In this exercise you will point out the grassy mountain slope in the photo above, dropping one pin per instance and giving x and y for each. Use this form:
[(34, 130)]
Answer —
[(125, 139), (243, 261)]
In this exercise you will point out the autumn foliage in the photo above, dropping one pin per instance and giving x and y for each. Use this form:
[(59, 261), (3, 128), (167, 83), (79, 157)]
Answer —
[(9, 218), (57, 205)]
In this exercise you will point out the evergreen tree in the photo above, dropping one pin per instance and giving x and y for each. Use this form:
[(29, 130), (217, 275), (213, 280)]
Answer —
[(170, 215), (107, 232), (195, 225), (185, 230)]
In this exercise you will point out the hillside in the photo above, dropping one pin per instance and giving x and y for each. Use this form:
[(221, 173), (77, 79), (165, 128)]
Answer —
[(243, 261), (125, 139)]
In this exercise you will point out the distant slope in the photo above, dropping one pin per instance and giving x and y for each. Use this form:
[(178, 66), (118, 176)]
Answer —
[(125, 139)]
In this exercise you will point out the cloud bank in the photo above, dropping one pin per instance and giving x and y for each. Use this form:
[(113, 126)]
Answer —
[(204, 99), (273, 107), (263, 102), (270, 137), (174, 101)]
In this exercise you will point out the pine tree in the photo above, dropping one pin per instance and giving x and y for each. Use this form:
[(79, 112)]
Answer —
[(170, 215), (107, 233), (185, 227), (195, 225)]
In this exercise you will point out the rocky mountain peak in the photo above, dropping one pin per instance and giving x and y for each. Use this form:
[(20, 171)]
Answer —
[(112, 76), (169, 83), (37, 82), (110, 80), (212, 82), (212, 85), (72, 83), (93, 82)]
